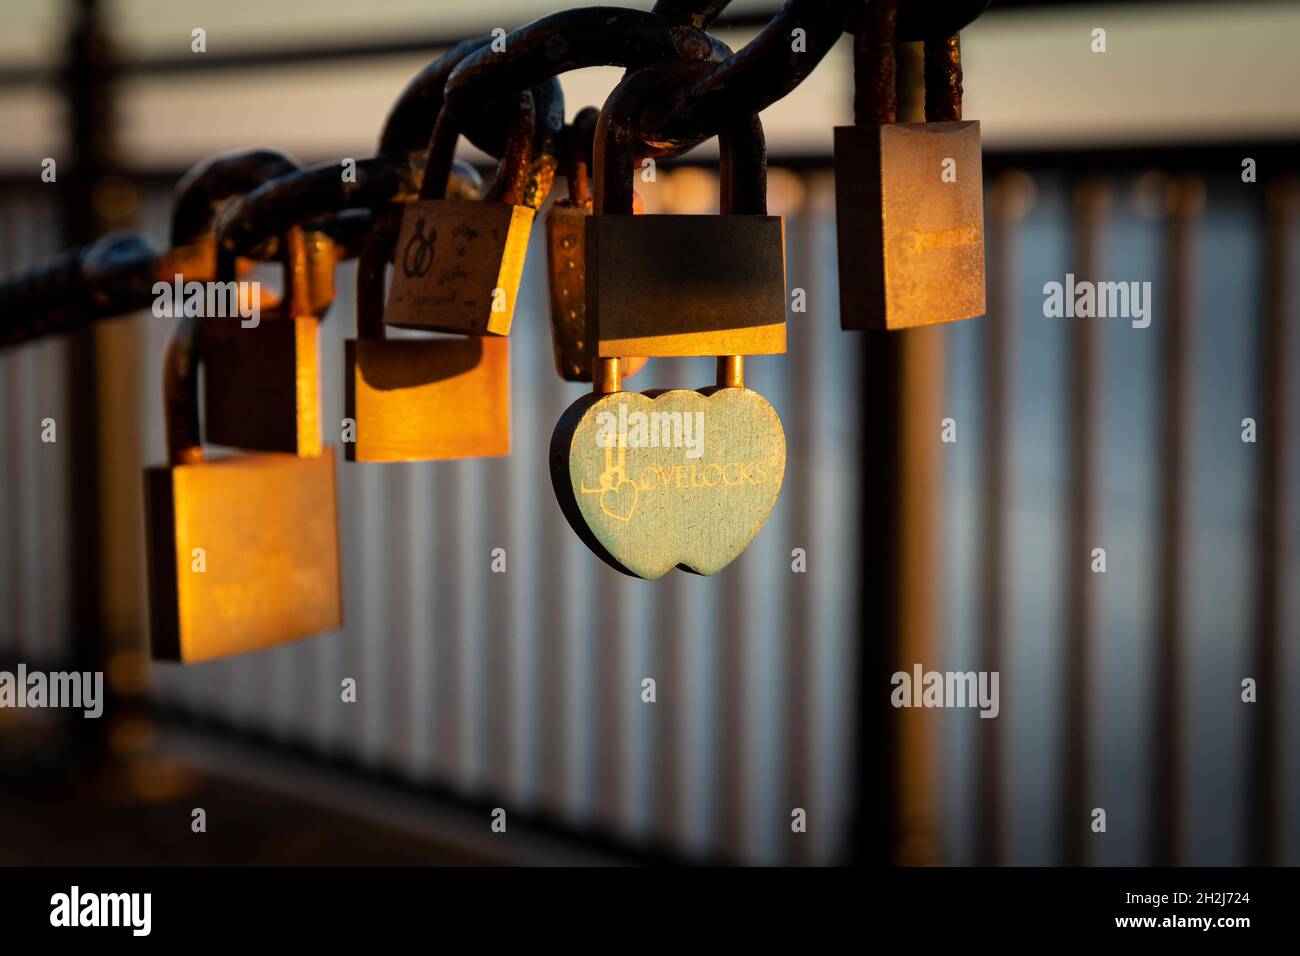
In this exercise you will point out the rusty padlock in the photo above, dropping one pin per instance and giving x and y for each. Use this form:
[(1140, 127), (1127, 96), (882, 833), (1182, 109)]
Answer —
[(909, 198), (420, 399), (261, 378), (675, 478), (243, 551), (566, 228), (458, 262)]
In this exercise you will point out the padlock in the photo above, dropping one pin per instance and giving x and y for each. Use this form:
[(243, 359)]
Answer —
[(675, 478), (243, 551), (458, 262), (909, 198), (420, 399), (566, 229), (199, 196), (261, 376)]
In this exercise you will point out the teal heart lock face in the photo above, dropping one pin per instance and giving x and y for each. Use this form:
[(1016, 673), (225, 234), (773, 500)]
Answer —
[(668, 479)]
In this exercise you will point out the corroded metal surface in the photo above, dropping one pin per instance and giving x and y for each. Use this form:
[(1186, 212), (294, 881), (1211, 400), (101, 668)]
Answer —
[(911, 245)]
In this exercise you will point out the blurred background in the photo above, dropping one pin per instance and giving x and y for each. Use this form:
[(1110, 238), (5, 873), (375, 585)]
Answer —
[(521, 690)]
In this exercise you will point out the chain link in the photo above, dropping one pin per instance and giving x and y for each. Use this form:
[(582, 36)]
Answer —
[(238, 205)]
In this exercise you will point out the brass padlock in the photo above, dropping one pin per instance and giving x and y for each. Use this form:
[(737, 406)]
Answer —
[(261, 379), (243, 551), (420, 399), (566, 229), (909, 201), (458, 262), (675, 478), (664, 285)]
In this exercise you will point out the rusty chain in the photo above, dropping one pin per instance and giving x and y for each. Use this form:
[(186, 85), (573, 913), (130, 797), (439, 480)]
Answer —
[(236, 206)]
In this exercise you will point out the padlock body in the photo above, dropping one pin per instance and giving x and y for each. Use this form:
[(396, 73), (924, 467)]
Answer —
[(662, 479), (261, 385), (428, 399), (911, 242), (685, 285), (566, 231), (457, 266), (243, 554)]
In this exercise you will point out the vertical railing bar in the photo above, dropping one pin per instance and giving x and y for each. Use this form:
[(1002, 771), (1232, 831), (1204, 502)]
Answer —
[(1265, 716), (799, 641), (901, 378), (10, 639), (1183, 199), (447, 515), (1086, 345), (1010, 196), (470, 540), (527, 575), (389, 650), (609, 687), (670, 754), (498, 638), (37, 359), (421, 679), (88, 92), (733, 662), (553, 694)]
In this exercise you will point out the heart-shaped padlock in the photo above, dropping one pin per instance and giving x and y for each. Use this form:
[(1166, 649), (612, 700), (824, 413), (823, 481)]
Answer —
[(668, 479), (675, 478)]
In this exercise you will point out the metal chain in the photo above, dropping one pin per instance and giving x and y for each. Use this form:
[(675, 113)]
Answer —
[(237, 206)]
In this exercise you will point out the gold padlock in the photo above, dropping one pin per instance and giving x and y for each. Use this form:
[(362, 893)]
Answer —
[(909, 202), (420, 399), (261, 382), (458, 262), (243, 551)]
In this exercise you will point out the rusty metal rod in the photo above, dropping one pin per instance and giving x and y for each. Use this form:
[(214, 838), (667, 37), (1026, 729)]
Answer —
[(1083, 456), (875, 65), (1010, 197), (1183, 198), (943, 79), (1274, 433)]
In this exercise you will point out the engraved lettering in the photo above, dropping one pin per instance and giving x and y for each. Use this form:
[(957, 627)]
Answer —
[(927, 240)]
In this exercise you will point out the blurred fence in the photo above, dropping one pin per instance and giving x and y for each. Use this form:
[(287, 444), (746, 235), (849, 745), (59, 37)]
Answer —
[(523, 689)]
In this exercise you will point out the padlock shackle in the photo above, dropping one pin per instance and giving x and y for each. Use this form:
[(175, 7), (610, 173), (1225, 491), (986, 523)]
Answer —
[(209, 183), (576, 147), (298, 267), (875, 65), (410, 121), (943, 79), (923, 19), (180, 387), (512, 170), (619, 144), (743, 168), (372, 265)]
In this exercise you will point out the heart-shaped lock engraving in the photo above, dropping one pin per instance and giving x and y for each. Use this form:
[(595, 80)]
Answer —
[(618, 502), (669, 479)]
